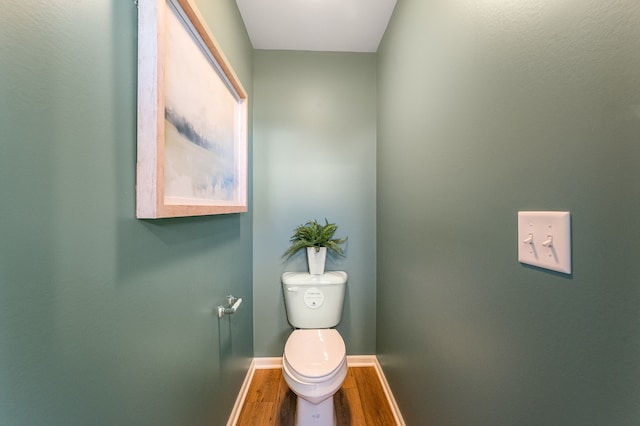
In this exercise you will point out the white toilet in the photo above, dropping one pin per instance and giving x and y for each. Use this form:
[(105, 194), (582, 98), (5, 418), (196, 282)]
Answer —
[(314, 363)]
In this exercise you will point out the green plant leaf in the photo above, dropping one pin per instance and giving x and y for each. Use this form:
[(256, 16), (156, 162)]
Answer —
[(313, 234)]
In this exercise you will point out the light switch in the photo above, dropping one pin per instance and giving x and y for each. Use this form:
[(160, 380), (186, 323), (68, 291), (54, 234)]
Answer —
[(544, 240)]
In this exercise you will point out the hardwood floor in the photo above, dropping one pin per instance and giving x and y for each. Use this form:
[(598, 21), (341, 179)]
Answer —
[(360, 402)]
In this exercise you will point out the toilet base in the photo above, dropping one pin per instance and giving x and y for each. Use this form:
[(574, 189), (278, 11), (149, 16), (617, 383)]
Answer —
[(308, 414)]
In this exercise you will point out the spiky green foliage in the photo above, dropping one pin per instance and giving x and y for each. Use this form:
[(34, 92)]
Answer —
[(313, 234)]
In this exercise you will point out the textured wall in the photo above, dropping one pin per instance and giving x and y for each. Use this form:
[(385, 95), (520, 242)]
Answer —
[(105, 319), (486, 108), (314, 151)]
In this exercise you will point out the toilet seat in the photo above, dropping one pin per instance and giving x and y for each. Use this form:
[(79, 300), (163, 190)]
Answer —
[(312, 356)]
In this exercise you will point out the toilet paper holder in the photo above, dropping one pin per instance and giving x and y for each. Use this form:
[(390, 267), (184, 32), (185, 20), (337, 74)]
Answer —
[(233, 303)]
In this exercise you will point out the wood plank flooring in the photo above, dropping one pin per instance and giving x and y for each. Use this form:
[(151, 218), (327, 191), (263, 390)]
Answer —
[(360, 402)]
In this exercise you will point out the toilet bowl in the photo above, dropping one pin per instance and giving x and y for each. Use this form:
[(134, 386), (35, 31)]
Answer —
[(314, 365)]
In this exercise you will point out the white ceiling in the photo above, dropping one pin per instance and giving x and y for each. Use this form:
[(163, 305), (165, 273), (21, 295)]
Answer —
[(321, 25)]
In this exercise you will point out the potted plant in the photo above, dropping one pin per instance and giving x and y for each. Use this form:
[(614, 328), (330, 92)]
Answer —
[(317, 239)]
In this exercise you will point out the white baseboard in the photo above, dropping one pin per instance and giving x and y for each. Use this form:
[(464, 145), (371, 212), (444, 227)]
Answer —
[(276, 362), (361, 360), (242, 395), (387, 391), (265, 363), (352, 361)]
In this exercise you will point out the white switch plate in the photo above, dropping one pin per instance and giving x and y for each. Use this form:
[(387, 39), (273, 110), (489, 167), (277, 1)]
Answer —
[(544, 240)]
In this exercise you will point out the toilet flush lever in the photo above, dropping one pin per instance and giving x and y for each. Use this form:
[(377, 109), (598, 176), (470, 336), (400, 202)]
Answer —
[(233, 303)]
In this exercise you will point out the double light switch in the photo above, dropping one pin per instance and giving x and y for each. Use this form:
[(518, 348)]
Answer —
[(544, 240)]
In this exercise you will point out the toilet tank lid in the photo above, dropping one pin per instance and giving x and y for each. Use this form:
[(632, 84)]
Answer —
[(300, 278)]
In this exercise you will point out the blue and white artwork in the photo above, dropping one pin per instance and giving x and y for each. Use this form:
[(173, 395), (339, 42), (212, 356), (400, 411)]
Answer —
[(200, 116)]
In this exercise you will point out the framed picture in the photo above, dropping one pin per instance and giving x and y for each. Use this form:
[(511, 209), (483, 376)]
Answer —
[(192, 117)]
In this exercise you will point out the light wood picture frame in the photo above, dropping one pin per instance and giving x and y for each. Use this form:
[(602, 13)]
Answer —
[(192, 117)]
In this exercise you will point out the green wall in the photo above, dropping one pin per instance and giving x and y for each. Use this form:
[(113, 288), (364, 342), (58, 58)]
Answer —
[(487, 108), (483, 109), (105, 319), (315, 135)]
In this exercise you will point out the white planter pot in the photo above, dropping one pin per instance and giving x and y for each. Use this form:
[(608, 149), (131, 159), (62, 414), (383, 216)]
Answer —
[(316, 260)]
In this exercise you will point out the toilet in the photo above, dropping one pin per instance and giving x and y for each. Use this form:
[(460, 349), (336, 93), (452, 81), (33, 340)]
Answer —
[(314, 363)]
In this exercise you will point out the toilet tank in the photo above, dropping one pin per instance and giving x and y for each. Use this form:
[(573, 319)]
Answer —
[(314, 301)]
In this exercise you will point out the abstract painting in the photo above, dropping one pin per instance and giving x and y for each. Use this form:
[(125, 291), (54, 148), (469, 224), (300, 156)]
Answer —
[(192, 120)]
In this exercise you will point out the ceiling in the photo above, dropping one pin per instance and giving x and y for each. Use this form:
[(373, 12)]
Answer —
[(319, 25)]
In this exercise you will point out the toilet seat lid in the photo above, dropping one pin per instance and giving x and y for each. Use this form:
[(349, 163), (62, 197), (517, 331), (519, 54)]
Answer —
[(314, 353)]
